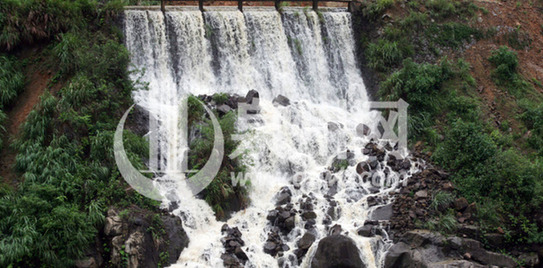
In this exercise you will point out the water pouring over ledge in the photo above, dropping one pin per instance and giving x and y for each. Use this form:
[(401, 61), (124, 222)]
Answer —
[(307, 56)]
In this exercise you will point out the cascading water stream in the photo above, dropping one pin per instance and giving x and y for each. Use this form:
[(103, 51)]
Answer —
[(308, 57)]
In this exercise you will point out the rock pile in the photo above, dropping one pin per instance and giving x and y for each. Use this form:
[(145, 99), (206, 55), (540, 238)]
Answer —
[(234, 256), (413, 201)]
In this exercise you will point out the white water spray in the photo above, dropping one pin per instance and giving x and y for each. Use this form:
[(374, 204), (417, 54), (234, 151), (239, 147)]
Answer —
[(308, 57)]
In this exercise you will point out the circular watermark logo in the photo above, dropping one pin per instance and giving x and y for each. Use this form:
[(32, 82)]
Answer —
[(199, 180)]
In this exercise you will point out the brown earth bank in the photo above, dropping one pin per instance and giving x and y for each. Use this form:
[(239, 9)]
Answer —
[(515, 22), (519, 25), (38, 80)]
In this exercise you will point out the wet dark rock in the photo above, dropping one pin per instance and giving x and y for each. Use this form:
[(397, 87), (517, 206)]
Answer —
[(230, 261), (374, 164), (274, 245), (270, 248), (223, 109), (251, 95), (281, 100), (232, 243), (382, 213), (173, 206), (405, 164), (372, 201), (362, 167), (337, 251), (283, 218), (397, 255), (332, 126), (335, 230), (283, 197), (303, 245), (367, 230), (310, 224), (132, 235), (363, 130), (289, 223), (309, 215), (253, 100), (373, 149), (306, 204)]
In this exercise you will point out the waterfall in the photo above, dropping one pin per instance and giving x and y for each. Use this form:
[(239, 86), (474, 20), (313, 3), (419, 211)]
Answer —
[(308, 57)]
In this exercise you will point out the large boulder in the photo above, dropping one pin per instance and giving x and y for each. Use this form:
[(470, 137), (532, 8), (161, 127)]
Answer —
[(383, 213), (281, 100), (423, 248), (337, 251), (144, 236)]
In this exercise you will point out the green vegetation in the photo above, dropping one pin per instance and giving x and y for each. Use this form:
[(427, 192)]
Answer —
[(452, 34), (441, 200), (11, 83), (533, 119), (426, 32), (498, 165), (220, 98), (424, 87), (385, 53), (221, 194), (65, 147), (376, 8), (506, 74), (444, 222), (65, 154)]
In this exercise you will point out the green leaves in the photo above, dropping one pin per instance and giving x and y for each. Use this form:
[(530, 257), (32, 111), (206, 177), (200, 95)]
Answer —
[(385, 54), (506, 63), (11, 80), (467, 148), (31, 21)]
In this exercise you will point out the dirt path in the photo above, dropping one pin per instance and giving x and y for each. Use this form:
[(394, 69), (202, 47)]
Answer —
[(35, 87)]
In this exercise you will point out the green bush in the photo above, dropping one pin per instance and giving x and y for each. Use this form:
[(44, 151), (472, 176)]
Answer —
[(418, 84), (533, 119), (38, 224), (444, 8), (11, 84), (486, 174), (64, 148), (220, 193), (506, 74), (220, 98), (11, 80), (415, 20), (385, 54), (441, 200), (31, 21), (377, 7), (466, 149), (513, 179), (462, 107), (506, 63), (66, 50), (452, 34)]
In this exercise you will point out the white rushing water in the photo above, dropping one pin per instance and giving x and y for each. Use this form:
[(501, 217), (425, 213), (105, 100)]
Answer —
[(308, 57)]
